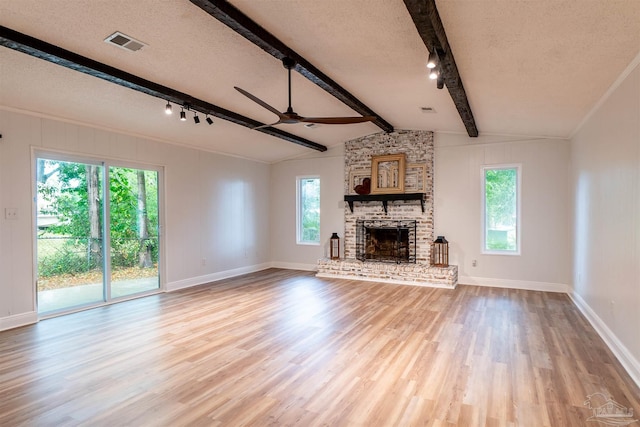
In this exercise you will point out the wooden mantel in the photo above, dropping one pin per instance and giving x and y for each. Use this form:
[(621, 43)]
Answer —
[(384, 198)]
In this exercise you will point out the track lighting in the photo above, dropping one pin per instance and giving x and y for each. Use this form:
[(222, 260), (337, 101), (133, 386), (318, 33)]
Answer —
[(185, 108), (440, 81), (435, 68), (433, 60)]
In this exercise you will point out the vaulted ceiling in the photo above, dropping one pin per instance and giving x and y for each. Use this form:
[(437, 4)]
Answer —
[(530, 68)]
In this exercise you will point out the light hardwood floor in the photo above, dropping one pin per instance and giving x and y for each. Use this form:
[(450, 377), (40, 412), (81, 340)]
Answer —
[(286, 348)]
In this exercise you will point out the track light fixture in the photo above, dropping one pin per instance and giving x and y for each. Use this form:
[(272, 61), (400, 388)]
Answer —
[(433, 60), (440, 81), (435, 68), (185, 108)]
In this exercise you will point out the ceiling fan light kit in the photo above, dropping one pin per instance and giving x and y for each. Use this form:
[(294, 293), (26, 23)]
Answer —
[(291, 117)]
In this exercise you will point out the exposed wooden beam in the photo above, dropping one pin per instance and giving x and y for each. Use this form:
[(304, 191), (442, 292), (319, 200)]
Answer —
[(229, 15), (427, 20), (57, 55)]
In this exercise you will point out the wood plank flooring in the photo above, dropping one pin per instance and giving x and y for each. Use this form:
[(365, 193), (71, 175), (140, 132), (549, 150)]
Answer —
[(283, 347)]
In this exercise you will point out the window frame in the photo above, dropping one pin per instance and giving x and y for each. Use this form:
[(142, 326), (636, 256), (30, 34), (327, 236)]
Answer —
[(483, 202), (299, 231)]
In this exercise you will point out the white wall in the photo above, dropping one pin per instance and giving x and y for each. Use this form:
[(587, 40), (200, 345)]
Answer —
[(329, 166), (545, 260), (217, 207), (605, 160)]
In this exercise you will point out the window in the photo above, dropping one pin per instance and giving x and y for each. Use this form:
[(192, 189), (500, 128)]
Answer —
[(501, 209), (308, 211)]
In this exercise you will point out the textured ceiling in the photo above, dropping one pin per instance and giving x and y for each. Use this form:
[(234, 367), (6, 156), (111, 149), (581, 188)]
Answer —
[(529, 67)]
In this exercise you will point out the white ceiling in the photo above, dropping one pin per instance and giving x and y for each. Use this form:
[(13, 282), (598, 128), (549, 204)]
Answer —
[(530, 68)]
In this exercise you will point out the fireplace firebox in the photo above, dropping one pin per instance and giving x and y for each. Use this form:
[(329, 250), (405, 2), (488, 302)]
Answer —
[(386, 241)]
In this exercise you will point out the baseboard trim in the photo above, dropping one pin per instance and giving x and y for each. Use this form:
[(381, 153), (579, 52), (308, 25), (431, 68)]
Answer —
[(214, 277), (624, 356), (514, 284), (17, 320), (295, 266), (391, 281)]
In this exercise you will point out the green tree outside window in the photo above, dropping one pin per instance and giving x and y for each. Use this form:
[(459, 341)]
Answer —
[(309, 210), (501, 209)]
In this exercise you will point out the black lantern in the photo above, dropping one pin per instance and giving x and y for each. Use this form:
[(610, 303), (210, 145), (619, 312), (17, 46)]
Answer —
[(335, 246), (440, 252)]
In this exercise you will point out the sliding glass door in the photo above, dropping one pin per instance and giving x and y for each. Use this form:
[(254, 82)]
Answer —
[(70, 243), (95, 242), (133, 209)]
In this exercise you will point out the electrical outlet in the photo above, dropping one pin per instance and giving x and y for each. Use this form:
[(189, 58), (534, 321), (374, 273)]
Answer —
[(11, 213), (474, 263)]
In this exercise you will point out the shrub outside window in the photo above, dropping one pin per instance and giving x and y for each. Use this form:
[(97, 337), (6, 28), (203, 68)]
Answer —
[(501, 209), (308, 210)]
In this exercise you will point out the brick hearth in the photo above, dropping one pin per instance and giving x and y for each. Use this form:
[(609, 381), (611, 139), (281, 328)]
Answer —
[(405, 274)]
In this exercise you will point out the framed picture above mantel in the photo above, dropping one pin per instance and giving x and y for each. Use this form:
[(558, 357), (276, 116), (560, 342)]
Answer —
[(387, 174), (415, 180), (357, 178)]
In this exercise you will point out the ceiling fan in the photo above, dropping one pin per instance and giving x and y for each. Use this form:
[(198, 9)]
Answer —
[(291, 116)]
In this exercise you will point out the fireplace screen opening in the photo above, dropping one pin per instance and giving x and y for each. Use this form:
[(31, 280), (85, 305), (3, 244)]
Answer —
[(386, 241)]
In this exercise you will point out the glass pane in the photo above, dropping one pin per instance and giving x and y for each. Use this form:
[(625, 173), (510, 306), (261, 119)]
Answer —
[(309, 210), (501, 209), (134, 231), (69, 235)]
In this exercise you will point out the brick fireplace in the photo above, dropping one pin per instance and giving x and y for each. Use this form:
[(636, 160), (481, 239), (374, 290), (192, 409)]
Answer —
[(417, 146)]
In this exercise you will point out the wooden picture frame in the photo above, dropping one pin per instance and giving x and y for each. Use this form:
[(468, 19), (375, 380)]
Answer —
[(387, 174), (415, 178), (356, 176)]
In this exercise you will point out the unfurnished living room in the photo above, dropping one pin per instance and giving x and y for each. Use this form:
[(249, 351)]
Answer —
[(320, 213)]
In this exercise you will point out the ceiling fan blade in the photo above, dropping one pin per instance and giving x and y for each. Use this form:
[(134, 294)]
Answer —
[(259, 102), (337, 120), (291, 117)]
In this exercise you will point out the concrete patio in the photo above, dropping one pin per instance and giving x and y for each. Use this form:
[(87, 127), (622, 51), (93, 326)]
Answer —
[(76, 296)]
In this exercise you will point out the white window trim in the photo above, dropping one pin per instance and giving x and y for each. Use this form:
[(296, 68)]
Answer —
[(483, 250), (299, 212)]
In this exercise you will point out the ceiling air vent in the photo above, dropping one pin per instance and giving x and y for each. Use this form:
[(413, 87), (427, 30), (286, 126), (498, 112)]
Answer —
[(428, 110), (125, 42)]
